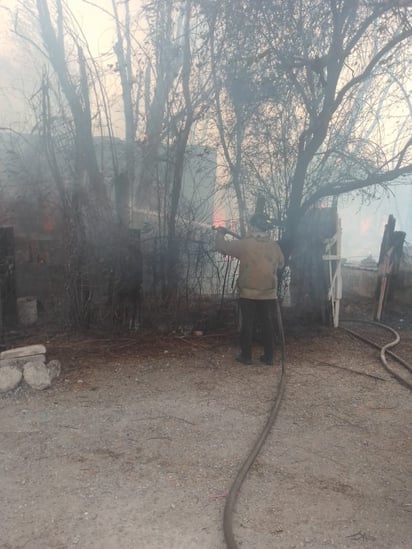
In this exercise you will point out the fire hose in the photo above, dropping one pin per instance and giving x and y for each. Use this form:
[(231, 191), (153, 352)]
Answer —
[(233, 493), (257, 446), (384, 349), (241, 475), (247, 464)]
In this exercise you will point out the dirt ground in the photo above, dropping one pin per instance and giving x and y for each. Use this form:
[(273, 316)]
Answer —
[(139, 440)]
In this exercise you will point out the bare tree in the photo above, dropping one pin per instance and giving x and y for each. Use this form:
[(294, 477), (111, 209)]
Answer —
[(234, 102), (66, 109), (177, 95), (322, 73), (76, 91), (125, 180), (310, 100)]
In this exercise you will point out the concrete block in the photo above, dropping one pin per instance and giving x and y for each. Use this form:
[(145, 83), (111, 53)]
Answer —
[(10, 377), (21, 361), (29, 350)]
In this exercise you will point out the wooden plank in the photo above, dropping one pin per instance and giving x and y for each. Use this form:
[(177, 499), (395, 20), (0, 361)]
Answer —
[(7, 278)]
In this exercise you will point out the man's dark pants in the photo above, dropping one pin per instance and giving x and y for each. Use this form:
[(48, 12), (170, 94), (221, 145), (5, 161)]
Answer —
[(260, 310)]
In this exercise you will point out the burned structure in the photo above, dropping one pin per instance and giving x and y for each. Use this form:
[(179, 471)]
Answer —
[(133, 256)]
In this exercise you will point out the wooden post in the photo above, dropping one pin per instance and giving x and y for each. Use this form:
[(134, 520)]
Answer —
[(334, 259), (384, 266), (389, 258), (8, 307)]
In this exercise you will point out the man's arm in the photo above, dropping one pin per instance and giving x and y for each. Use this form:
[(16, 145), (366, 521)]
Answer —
[(227, 247)]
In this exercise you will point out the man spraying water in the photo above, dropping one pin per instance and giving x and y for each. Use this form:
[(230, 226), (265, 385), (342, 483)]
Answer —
[(260, 257)]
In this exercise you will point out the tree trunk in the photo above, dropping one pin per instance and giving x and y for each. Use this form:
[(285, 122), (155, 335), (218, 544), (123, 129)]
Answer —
[(309, 284)]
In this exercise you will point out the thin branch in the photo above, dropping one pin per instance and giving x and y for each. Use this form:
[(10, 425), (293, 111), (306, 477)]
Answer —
[(369, 68), (100, 8), (336, 189)]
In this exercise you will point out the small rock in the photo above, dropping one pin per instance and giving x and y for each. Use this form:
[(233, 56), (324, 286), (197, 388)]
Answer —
[(54, 368), (10, 377), (37, 375)]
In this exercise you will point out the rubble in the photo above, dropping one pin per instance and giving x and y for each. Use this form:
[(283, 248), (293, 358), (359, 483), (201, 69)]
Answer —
[(28, 363)]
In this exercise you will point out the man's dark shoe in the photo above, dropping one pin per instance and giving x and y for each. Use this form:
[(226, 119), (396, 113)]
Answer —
[(265, 360), (244, 360)]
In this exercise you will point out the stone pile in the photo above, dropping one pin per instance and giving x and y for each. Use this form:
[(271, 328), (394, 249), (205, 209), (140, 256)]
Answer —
[(28, 364)]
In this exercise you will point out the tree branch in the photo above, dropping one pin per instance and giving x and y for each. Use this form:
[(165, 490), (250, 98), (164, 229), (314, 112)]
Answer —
[(371, 65), (336, 189)]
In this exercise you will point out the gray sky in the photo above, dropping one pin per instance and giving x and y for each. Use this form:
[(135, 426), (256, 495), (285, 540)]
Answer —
[(21, 65)]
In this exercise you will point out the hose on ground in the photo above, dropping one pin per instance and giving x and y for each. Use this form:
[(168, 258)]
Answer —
[(383, 349), (241, 475)]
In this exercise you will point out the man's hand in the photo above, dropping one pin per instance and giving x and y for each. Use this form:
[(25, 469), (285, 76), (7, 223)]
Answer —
[(221, 230)]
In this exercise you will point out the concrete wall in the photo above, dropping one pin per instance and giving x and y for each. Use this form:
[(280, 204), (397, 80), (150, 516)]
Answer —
[(401, 288), (357, 281)]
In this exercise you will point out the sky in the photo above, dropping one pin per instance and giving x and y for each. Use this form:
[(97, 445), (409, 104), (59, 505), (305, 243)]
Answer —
[(21, 65)]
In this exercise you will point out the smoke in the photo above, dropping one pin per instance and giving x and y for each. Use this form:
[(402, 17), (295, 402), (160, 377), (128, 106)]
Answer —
[(363, 224)]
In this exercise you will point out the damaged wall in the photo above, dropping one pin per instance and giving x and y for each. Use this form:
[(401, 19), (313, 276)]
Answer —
[(358, 281)]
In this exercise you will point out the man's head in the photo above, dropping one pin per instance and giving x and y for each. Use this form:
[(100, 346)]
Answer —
[(259, 222)]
